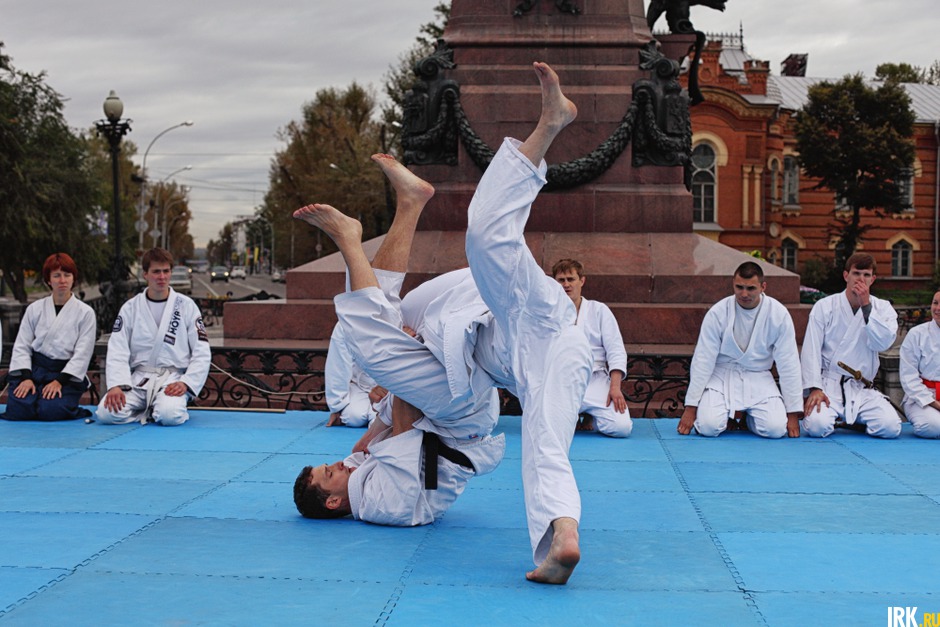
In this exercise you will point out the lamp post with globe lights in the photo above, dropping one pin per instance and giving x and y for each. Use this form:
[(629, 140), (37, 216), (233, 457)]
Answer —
[(113, 128)]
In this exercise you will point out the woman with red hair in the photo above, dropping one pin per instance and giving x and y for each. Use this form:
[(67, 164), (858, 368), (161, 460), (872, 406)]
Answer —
[(52, 350)]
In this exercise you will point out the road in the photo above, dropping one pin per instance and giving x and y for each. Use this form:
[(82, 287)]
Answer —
[(203, 288)]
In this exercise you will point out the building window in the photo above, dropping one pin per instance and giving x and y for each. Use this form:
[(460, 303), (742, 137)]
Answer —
[(791, 182), (788, 249), (906, 188), (774, 182), (703, 183), (901, 254)]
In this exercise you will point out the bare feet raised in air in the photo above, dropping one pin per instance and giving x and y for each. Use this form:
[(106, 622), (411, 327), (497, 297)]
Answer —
[(341, 228), (557, 111), (412, 190), (563, 556)]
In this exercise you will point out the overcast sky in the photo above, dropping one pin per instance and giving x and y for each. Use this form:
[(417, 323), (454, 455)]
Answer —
[(242, 69)]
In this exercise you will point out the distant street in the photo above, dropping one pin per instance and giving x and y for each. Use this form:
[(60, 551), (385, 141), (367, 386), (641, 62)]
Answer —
[(239, 288)]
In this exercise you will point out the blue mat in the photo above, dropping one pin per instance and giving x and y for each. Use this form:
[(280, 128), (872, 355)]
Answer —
[(146, 525)]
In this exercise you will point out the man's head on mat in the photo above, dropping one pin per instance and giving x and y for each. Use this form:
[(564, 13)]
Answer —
[(323, 491)]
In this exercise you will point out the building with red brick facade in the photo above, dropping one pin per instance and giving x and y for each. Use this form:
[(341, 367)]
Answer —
[(750, 194)]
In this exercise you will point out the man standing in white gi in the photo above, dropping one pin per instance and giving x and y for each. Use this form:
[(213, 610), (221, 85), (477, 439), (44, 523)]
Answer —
[(851, 327), (741, 337), (604, 406), (920, 374), (547, 360), (350, 392), (158, 353)]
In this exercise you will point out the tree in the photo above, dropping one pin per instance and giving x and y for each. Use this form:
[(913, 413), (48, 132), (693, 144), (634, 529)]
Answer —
[(857, 141), (907, 73), (327, 159), (48, 197)]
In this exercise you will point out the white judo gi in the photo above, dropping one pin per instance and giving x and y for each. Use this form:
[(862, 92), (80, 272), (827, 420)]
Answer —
[(70, 335), (724, 378), (347, 386), (550, 360), (920, 374), (835, 334), (597, 322), (145, 357)]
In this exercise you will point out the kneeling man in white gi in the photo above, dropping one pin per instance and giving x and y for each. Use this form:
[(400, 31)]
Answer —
[(604, 408), (920, 374), (158, 353), (851, 328), (350, 393), (742, 336)]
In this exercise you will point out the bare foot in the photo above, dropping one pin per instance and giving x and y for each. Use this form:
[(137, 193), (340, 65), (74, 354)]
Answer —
[(341, 228), (412, 190), (563, 556), (557, 111), (585, 423), (334, 420)]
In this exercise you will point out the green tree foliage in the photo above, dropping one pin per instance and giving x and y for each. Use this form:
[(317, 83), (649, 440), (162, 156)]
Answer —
[(48, 198), (326, 159), (907, 73), (857, 141)]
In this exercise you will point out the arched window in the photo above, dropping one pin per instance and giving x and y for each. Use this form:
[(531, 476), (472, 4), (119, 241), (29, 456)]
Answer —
[(901, 258), (791, 181), (703, 183), (788, 249)]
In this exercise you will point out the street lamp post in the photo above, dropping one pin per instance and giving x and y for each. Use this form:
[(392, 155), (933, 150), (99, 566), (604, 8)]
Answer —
[(271, 260), (113, 128), (143, 186), (166, 211)]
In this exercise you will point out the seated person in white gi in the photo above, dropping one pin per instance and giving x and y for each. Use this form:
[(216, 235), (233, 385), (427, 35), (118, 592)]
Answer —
[(851, 327), (530, 345), (350, 392), (52, 350), (920, 374), (158, 353), (604, 406), (384, 480), (741, 337)]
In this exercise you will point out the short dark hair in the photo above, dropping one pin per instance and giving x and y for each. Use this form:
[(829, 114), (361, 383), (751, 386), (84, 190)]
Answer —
[(749, 270), (311, 501), (59, 261), (564, 265), (156, 255), (861, 261)]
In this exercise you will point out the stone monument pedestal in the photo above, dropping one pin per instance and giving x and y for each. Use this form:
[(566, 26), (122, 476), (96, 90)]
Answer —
[(631, 226)]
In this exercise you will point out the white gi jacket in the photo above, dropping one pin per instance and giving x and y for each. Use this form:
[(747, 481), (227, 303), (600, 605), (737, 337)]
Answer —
[(835, 334), (920, 359), (597, 322), (718, 358), (176, 350), (69, 335), (387, 487)]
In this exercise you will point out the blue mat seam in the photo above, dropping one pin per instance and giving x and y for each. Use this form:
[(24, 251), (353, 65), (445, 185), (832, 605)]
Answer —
[(749, 599)]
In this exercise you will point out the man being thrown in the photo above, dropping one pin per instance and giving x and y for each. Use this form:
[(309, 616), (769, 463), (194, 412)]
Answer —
[(741, 337), (384, 480), (604, 406), (527, 342), (158, 353), (851, 327)]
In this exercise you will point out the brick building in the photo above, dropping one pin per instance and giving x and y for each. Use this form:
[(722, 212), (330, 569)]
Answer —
[(750, 194)]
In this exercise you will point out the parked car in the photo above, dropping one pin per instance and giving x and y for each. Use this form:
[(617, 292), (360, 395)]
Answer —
[(181, 280), (238, 272), (218, 273), (277, 276)]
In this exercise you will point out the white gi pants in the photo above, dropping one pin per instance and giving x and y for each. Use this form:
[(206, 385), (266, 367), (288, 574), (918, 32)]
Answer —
[(168, 411), (607, 420), (551, 358), (869, 406), (925, 420), (767, 418)]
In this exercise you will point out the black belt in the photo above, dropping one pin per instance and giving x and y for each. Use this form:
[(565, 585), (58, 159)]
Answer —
[(434, 448)]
